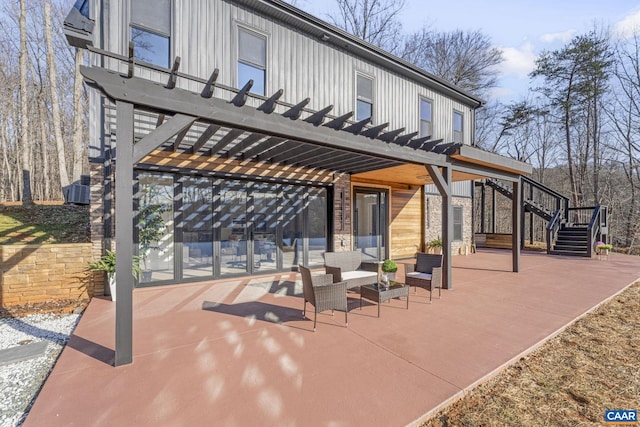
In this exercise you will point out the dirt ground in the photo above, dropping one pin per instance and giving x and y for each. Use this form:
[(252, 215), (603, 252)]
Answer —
[(571, 380)]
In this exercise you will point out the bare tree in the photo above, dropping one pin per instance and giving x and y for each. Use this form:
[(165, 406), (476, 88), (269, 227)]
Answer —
[(24, 113), (55, 103), (466, 59), (374, 21)]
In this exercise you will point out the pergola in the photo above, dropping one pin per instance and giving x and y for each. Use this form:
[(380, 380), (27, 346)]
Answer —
[(171, 127)]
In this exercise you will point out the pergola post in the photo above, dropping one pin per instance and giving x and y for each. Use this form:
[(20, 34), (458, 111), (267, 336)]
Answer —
[(483, 228), (494, 209), (124, 233), (443, 183), (516, 214)]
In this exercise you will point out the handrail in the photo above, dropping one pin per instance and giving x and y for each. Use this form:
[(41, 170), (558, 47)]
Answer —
[(542, 187), (552, 229), (593, 228)]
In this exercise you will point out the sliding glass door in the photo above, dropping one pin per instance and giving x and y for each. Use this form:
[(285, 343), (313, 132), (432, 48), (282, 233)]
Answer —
[(370, 223)]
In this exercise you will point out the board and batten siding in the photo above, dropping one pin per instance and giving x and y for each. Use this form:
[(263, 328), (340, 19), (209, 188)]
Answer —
[(204, 35)]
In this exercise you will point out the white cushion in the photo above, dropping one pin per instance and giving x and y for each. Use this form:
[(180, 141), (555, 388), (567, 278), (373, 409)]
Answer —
[(426, 276), (347, 275)]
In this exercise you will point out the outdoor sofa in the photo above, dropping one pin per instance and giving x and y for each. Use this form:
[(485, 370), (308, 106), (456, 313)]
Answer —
[(349, 267)]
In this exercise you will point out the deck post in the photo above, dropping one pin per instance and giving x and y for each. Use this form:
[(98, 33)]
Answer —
[(483, 228), (443, 183), (516, 214), (493, 210), (124, 233)]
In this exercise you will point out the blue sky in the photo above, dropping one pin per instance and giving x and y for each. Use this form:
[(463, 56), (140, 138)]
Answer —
[(520, 28)]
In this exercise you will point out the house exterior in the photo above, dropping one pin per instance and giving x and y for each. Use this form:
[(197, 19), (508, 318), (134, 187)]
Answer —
[(253, 137)]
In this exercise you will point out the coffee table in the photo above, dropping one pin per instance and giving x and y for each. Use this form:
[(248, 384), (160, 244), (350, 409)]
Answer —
[(379, 294)]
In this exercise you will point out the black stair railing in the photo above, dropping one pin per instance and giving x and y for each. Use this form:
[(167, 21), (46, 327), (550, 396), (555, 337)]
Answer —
[(597, 226), (543, 196), (553, 228)]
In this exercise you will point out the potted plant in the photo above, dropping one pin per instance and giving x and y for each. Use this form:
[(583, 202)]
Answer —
[(436, 245), (389, 268), (150, 230), (107, 263), (603, 248)]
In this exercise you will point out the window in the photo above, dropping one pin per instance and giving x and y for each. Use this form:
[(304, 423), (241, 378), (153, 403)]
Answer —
[(426, 126), (364, 97), (150, 31), (457, 126), (457, 223), (252, 60)]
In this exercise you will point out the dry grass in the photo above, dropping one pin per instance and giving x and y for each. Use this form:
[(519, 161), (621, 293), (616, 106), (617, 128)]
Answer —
[(40, 224), (592, 366)]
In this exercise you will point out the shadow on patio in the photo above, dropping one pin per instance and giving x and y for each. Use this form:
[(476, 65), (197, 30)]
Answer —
[(239, 352)]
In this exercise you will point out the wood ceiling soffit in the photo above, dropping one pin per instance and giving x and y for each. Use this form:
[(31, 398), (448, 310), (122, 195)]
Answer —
[(160, 135), (270, 104)]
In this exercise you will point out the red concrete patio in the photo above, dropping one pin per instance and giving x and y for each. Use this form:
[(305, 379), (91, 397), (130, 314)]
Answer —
[(238, 353)]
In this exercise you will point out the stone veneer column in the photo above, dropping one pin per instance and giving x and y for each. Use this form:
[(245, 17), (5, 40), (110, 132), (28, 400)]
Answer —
[(342, 232), (433, 221)]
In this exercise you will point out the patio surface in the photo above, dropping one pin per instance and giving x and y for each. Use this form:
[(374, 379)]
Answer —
[(238, 353)]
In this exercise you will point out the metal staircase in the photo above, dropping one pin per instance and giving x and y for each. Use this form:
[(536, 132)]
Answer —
[(570, 231)]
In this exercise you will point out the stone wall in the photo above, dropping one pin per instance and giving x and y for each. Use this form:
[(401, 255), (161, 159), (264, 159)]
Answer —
[(39, 273), (433, 222), (342, 232)]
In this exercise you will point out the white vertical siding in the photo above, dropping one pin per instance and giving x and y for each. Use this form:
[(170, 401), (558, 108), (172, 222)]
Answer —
[(205, 37)]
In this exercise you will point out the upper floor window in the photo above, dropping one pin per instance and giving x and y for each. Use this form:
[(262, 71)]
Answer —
[(364, 97), (426, 124), (457, 127), (151, 31), (252, 60)]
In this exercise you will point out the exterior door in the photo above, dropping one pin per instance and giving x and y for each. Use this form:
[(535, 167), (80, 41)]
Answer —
[(370, 223)]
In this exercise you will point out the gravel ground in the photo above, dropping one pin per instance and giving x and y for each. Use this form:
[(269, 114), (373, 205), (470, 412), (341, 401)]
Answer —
[(20, 382)]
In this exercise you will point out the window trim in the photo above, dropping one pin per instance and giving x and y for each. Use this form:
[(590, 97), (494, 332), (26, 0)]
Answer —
[(422, 99), (154, 31), (258, 33), (453, 126), (357, 97)]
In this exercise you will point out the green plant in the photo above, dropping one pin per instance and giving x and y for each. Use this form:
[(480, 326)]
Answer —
[(107, 263), (436, 243), (389, 266), (604, 246), (150, 227)]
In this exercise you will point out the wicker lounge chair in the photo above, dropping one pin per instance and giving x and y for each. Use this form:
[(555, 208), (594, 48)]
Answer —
[(349, 267), (426, 273), (323, 294)]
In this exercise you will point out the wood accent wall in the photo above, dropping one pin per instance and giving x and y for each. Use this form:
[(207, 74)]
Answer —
[(406, 231)]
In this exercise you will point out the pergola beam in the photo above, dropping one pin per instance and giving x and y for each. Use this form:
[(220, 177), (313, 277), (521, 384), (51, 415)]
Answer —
[(160, 135)]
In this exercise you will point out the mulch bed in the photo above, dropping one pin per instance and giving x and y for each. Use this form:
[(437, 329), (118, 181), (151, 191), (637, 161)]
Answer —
[(63, 306)]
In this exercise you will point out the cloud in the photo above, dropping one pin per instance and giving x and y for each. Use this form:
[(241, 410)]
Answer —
[(563, 36), (629, 25), (518, 61)]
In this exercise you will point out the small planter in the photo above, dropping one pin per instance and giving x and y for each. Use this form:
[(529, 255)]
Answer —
[(146, 276), (112, 285)]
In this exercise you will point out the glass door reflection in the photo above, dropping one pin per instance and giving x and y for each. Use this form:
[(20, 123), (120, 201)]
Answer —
[(232, 217), (265, 213)]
